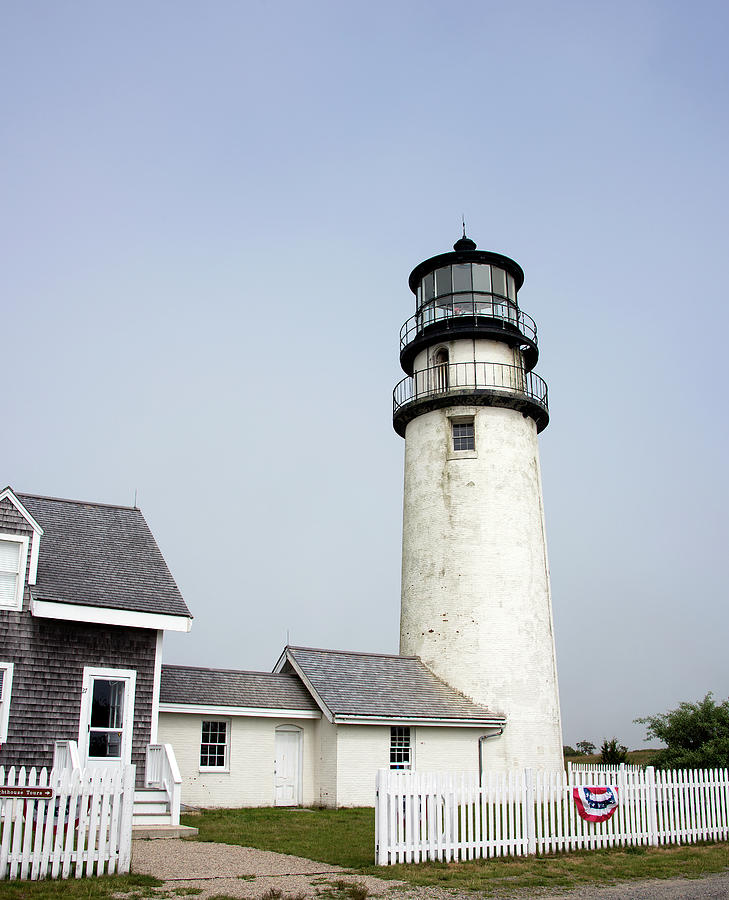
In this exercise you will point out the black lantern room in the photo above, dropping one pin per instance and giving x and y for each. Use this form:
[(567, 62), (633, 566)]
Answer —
[(468, 294)]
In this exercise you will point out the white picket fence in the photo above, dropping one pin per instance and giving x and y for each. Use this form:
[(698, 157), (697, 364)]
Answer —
[(66, 823), (423, 816)]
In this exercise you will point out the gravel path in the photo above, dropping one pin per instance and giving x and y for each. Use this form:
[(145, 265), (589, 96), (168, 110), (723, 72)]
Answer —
[(239, 871), (242, 872)]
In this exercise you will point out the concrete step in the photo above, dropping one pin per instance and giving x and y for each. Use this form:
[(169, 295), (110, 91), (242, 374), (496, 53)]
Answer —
[(157, 832), (151, 819), (149, 795), (151, 808)]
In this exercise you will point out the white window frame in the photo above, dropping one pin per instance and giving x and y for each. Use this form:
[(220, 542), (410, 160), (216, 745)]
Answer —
[(410, 766), (226, 765), (128, 675), (461, 419), (23, 540), (5, 695)]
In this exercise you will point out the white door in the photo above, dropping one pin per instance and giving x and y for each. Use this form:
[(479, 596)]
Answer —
[(107, 717), (287, 767)]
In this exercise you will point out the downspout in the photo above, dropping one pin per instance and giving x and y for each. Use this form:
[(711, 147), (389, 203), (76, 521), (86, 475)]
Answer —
[(497, 732)]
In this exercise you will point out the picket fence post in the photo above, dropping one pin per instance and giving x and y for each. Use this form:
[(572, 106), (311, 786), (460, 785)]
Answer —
[(381, 818), (125, 823), (650, 773), (530, 819)]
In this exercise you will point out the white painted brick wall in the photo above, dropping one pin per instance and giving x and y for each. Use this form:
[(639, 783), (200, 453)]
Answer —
[(361, 751), (447, 749), (326, 737), (250, 779)]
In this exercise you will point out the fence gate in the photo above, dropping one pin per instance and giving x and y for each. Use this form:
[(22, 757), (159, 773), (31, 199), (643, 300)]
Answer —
[(66, 823)]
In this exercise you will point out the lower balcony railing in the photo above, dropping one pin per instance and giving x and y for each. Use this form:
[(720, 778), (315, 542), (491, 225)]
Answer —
[(487, 383)]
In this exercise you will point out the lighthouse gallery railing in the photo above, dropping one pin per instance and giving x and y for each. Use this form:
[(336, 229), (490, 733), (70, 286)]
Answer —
[(458, 310), (449, 378)]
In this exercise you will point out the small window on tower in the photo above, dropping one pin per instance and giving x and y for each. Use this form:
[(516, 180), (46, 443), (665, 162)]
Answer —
[(464, 437)]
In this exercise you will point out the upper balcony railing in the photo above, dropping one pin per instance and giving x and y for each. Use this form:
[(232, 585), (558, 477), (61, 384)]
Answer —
[(479, 383), (460, 310)]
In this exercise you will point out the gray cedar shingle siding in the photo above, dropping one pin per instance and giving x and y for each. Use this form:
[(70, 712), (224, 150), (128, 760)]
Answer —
[(49, 655), (391, 687), (229, 687), (97, 555), (46, 697)]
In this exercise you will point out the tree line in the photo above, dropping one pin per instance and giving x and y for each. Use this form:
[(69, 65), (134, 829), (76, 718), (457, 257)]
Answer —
[(696, 736)]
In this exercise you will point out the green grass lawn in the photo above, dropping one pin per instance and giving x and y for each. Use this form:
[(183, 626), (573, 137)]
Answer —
[(345, 837), (107, 887)]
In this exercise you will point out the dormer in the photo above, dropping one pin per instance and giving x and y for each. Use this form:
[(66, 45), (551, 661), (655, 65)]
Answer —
[(20, 536)]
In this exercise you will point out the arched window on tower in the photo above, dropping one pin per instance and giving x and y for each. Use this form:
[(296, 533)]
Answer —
[(441, 369)]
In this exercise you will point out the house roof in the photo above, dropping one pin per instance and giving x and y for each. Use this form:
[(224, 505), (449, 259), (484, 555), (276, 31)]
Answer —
[(356, 686), (228, 687), (93, 554)]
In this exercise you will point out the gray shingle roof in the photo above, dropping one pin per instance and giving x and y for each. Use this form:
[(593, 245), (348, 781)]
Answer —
[(228, 687), (98, 555), (391, 687)]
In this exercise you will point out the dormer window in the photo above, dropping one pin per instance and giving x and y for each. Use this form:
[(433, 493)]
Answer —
[(13, 556)]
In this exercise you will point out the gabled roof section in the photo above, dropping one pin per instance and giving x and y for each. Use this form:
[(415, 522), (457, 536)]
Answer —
[(360, 687), (7, 493), (101, 556), (232, 688)]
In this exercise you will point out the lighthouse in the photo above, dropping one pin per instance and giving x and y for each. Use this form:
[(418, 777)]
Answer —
[(476, 604)]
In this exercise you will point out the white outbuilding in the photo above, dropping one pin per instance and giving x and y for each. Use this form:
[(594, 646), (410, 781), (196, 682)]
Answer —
[(316, 729)]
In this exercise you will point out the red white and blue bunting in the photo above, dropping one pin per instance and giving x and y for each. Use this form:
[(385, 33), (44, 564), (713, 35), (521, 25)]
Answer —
[(595, 804)]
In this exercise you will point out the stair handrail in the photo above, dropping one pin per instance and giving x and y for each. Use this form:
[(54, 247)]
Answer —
[(162, 771), (66, 755)]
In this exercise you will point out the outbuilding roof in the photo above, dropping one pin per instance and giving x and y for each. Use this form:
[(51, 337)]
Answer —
[(367, 686), (93, 554), (229, 687)]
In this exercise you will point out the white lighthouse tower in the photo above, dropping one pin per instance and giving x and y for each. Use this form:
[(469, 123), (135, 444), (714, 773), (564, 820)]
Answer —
[(476, 604)]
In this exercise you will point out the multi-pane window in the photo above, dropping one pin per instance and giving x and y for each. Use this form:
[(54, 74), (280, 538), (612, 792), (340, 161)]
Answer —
[(464, 437), (213, 746), (106, 724), (13, 552), (400, 754)]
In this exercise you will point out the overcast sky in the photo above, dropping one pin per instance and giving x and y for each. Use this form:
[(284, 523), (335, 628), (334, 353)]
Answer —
[(208, 213)]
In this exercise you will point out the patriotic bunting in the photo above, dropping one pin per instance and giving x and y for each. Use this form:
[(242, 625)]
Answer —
[(595, 804)]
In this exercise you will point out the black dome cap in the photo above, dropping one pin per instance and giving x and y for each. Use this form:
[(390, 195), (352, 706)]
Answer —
[(464, 251)]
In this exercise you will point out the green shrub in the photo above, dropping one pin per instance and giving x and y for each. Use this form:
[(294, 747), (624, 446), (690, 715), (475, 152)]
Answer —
[(612, 753), (696, 735)]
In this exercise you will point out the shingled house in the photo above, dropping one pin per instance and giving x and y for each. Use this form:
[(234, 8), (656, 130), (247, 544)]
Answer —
[(85, 598), (316, 729)]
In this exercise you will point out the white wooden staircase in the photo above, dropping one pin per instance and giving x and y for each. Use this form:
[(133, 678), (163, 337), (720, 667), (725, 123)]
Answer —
[(156, 811)]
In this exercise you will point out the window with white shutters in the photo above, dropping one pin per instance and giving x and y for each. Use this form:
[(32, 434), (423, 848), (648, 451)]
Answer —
[(6, 684), (13, 554)]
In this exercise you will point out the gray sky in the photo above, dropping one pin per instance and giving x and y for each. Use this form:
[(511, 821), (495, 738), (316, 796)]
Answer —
[(209, 212)]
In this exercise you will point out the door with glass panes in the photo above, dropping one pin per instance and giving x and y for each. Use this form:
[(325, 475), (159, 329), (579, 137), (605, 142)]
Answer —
[(107, 717)]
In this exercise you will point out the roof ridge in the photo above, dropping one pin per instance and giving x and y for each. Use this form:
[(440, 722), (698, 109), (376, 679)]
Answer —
[(352, 652), (230, 671), (77, 502)]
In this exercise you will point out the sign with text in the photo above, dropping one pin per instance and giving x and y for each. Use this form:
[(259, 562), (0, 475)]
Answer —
[(27, 793)]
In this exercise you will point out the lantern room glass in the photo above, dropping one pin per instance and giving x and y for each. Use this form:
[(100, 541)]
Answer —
[(467, 289)]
